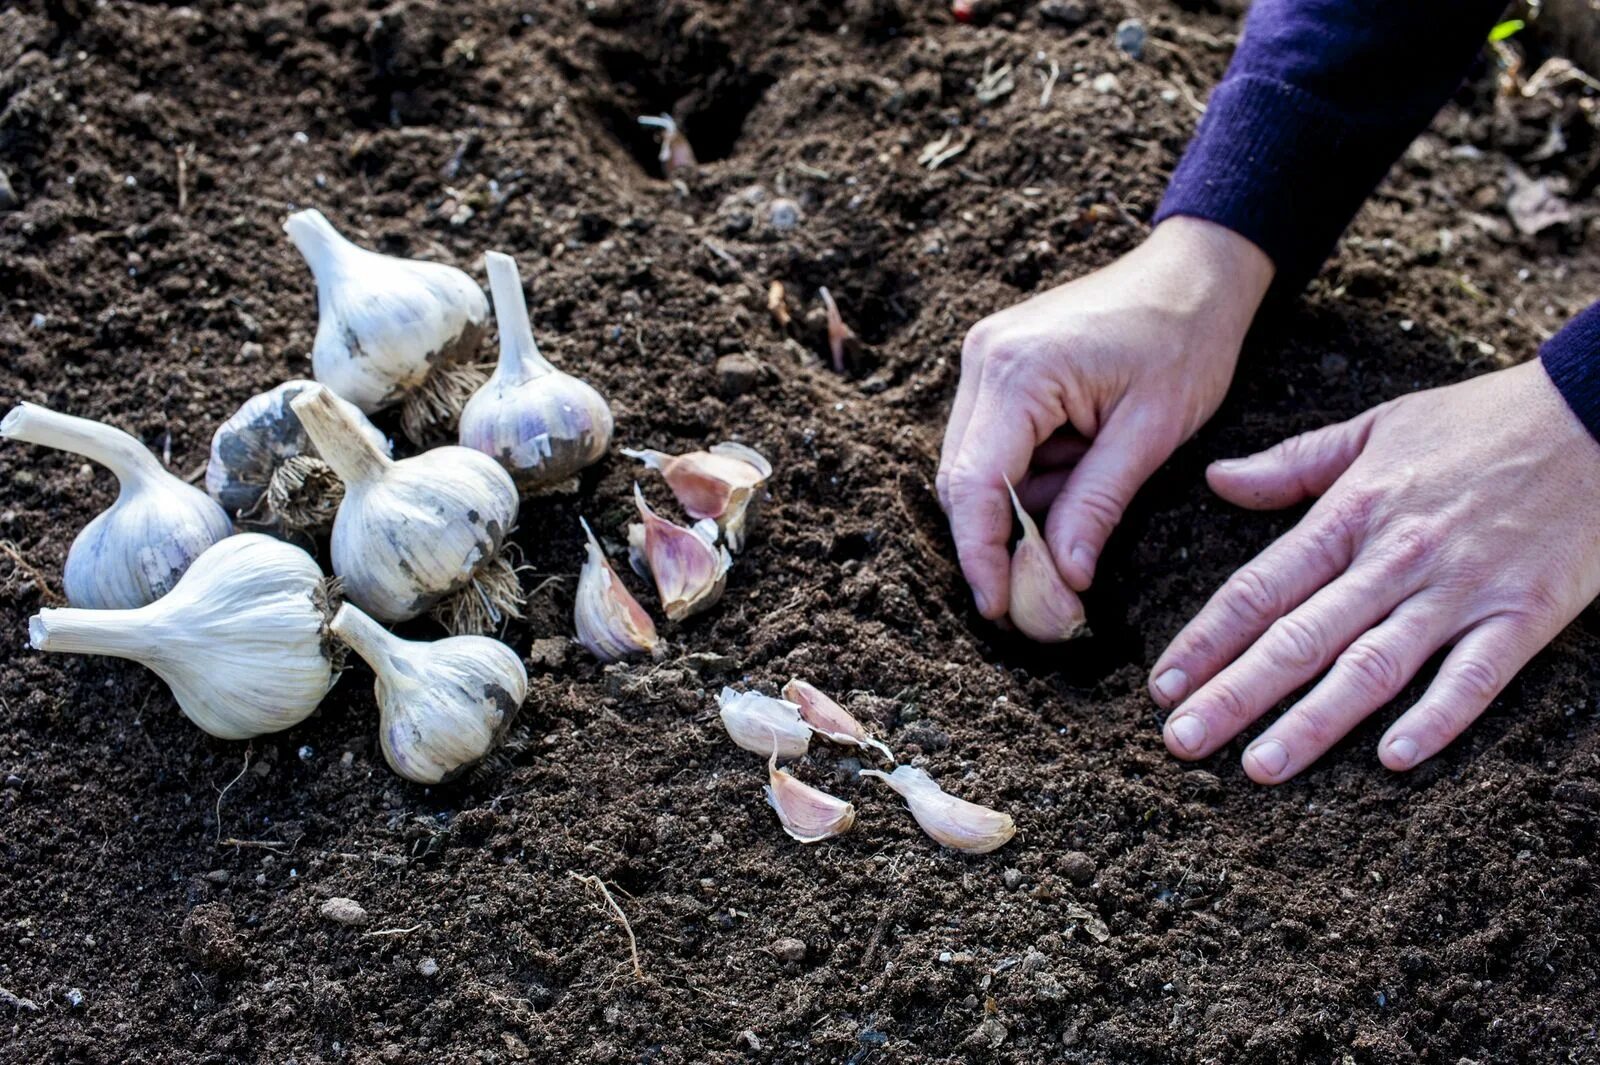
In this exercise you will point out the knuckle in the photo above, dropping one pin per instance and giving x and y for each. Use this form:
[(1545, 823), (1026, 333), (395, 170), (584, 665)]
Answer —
[(1251, 597), (1295, 641), (1225, 701), (1439, 722), (1411, 546), (1373, 668), (1100, 504), (975, 345), (1477, 678), (1352, 513), (1319, 726), (1536, 600)]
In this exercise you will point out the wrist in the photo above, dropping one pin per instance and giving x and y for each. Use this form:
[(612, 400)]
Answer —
[(1217, 272)]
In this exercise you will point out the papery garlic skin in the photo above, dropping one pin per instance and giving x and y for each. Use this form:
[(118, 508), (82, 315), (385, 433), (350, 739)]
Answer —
[(610, 622), (389, 328), (443, 705), (769, 727), (265, 471), (1042, 606), (956, 823), (541, 424), (720, 484), (676, 153), (136, 550), (807, 814), (689, 569), (830, 720), (241, 640), (414, 533)]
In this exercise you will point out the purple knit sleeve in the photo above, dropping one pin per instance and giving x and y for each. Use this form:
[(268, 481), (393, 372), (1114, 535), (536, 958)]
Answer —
[(1572, 358)]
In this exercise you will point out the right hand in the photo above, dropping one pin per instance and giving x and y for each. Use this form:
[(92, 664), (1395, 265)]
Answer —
[(1079, 394)]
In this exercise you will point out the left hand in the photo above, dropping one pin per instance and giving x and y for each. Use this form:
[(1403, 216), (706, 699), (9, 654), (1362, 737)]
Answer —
[(1465, 515)]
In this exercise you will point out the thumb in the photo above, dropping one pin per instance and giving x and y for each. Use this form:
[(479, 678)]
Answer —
[(1292, 469), (1120, 459)]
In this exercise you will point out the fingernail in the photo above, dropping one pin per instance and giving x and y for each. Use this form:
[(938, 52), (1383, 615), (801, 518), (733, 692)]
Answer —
[(1228, 464), (1403, 751), (1083, 557), (1171, 686), (1270, 757), (1189, 731), (982, 602)]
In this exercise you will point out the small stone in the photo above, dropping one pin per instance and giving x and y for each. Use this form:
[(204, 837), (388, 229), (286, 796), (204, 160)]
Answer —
[(1012, 879), (347, 759), (1105, 84), (209, 938), (427, 967), (250, 351), (74, 998), (549, 652), (750, 1039), (307, 753), (218, 876), (8, 195), (13, 782), (987, 1036), (1131, 37), (1069, 13), (788, 949), (344, 911), (1078, 867), (783, 214), (737, 374)]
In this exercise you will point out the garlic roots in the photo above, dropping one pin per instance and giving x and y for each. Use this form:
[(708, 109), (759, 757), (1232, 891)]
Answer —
[(720, 484), (830, 720), (689, 569), (417, 534), (1042, 606), (611, 624), (265, 471), (136, 550), (764, 725), (808, 814), (542, 425), (391, 330), (956, 823), (676, 153), (443, 705), (241, 640)]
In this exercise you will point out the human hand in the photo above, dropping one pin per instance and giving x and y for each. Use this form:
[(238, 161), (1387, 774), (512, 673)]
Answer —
[(1466, 515), (1079, 394)]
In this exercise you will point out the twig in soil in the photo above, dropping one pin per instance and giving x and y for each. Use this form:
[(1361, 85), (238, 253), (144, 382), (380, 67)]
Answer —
[(393, 931), (633, 944), (249, 749), (273, 845), (994, 84), (723, 254), (813, 171), (1049, 83), (183, 152), (937, 153), (876, 940), (18, 562)]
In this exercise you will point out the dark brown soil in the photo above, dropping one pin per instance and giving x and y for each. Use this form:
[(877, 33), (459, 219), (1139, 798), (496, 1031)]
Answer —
[(1147, 910)]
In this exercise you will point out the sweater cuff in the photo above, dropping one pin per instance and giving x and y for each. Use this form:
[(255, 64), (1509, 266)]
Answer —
[(1572, 359)]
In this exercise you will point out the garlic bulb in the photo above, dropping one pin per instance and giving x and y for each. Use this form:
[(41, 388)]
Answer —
[(391, 330), (830, 720), (443, 705), (241, 640), (265, 471), (417, 534), (1042, 606), (808, 814), (763, 724), (689, 569), (135, 551), (542, 425), (720, 484), (956, 823), (676, 153), (611, 623)]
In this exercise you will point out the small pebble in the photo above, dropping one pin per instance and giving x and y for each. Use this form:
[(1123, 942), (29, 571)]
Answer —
[(1130, 37), (550, 652), (8, 195), (74, 998), (1078, 867), (788, 949), (737, 374), (1012, 879), (347, 759), (344, 911), (783, 214), (1067, 13), (750, 1039), (427, 967), (1105, 84), (307, 753)]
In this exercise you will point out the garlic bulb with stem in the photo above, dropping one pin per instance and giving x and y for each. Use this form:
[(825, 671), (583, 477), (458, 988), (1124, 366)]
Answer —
[(542, 425), (676, 152), (417, 534), (136, 550), (1042, 606), (242, 639), (763, 724), (265, 471), (808, 814), (610, 622), (443, 705), (956, 823), (830, 720), (689, 569), (391, 330), (720, 484)]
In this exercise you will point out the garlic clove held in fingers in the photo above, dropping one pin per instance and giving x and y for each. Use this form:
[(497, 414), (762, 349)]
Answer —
[(541, 424), (611, 624), (136, 550), (265, 471), (808, 814), (1043, 607), (956, 823), (721, 484), (689, 569), (241, 640), (830, 720), (419, 534), (442, 706), (676, 153), (763, 724), (391, 330)]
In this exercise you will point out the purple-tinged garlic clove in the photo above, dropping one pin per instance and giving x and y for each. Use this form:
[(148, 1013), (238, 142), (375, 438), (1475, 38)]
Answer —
[(806, 813), (689, 569), (720, 484), (767, 726), (1042, 606), (676, 153), (610, 622), (955, 823), (830, 720)]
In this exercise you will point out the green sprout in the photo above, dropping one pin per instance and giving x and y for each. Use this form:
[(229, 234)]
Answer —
[(1508, 28)]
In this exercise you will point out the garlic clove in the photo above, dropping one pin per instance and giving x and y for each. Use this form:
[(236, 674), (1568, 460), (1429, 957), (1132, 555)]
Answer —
[(391, 330), (777, 305), (136, 550), (830, 720), (955, 823), (689, 570), (841, 338), (720, 484), (1043, 607), (442, 705), (808, 814), (611, 624), (764, 725), (541, 424), (241, 639), (265, 471), (676, 153)]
